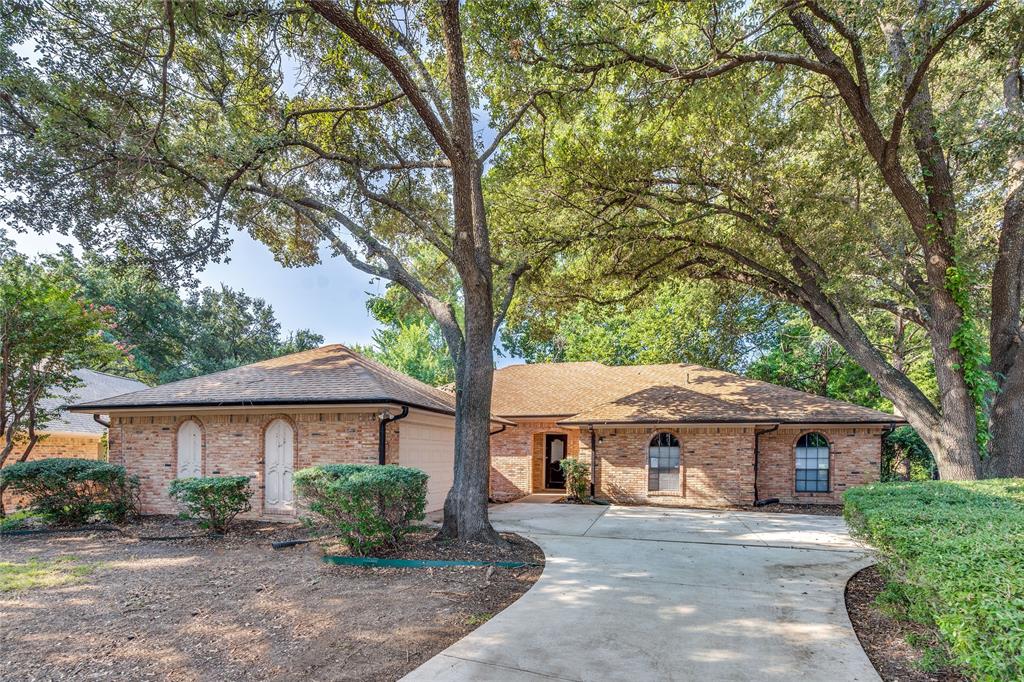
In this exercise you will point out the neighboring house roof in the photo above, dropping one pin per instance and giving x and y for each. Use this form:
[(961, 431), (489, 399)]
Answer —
[(323, 376), (95, 386), (592, 393)]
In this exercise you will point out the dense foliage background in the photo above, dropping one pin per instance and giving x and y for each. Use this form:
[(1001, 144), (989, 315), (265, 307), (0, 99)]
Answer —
[(159, 332)]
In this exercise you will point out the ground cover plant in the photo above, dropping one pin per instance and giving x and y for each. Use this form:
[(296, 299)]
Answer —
[(372, 507), (213, 501), (68, 491), (953, 553)]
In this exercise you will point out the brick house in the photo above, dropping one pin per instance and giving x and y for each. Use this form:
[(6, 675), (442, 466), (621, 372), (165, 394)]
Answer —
[(660, 433), (265, 420), (678, 434)]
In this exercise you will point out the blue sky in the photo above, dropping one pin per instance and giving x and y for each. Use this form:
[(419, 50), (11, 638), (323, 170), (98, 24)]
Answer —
[(329, 298)]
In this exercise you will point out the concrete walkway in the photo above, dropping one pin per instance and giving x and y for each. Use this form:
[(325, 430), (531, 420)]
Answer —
[(644, 593)]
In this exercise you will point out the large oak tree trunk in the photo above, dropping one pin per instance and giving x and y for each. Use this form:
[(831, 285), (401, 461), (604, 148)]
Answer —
[(1006, 449), (1006, 456), (465, 508)]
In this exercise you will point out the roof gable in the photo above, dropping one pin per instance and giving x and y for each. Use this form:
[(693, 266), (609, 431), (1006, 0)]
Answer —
[(332, 374)]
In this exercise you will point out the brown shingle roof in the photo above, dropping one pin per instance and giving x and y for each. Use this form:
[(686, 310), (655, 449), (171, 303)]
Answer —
[(559, 389), (590, 392), (327, 375), (661, 405)]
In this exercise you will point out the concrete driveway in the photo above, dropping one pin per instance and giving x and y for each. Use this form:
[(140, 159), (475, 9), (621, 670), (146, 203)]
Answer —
[(644, 593)]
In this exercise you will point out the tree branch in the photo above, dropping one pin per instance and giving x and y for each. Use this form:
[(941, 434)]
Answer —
[(370, 42), (343, 110), (918, 78), (506, 300), (511, 124)]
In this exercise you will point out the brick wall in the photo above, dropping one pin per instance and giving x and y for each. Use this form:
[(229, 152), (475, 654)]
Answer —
[(517, 457), (715, 465), (233, 445), (82, 446), (855, 454)]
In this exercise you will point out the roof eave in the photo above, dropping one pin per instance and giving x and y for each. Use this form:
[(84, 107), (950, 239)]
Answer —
[(98, 408), (724, 422), (256, 404)]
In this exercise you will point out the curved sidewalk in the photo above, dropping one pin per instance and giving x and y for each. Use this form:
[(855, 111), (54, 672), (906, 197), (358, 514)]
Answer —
[(644, 593)]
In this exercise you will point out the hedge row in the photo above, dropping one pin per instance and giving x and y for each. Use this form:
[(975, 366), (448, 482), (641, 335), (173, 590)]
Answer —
[(954, 555)]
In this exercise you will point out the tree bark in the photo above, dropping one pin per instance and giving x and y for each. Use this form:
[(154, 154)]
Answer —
[(951, 436), (1006, 334), (465, 508)]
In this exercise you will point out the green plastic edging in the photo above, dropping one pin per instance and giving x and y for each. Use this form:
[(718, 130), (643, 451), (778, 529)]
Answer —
[(416, 563)]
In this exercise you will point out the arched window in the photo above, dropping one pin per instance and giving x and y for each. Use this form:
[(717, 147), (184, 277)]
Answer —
[(812, 458), (663, 461)]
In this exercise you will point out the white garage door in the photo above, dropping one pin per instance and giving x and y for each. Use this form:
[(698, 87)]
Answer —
[(430, 448)]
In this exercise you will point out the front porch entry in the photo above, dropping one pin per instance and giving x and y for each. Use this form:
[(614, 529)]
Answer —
[(555, 450)]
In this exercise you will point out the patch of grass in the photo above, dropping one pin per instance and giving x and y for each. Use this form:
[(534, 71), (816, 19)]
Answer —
[(37, 573), (478, 619), (16, 520), (953, 553)]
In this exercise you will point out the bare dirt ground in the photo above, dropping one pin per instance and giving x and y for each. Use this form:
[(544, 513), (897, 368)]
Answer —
[(234, 609), (885, 640)]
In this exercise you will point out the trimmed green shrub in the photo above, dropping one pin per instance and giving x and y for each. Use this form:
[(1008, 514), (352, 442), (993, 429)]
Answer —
[(69, 491), (954, 555), (371, 506), (577, 479), (213, 501)]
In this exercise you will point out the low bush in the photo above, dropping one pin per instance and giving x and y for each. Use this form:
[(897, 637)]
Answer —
[(69, 491), (213, 501), (577, 479), (371, 506), (954, 555)]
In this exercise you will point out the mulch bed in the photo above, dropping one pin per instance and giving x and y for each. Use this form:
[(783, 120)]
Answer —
[(815, 509), (423, 544), (885, 639), (210, 608)]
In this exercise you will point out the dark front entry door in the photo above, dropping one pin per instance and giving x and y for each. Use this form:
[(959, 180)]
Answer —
[(554, 451)]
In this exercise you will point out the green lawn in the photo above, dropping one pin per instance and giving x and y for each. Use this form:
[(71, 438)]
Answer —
[(36, 573), (954, 555)]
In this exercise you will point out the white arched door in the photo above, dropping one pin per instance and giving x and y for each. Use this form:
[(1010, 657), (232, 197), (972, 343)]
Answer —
[(280, 461), (190, 450)]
